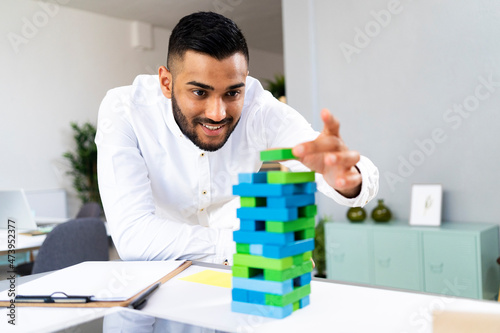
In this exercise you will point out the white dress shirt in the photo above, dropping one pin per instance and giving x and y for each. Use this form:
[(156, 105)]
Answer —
[(164, 197)]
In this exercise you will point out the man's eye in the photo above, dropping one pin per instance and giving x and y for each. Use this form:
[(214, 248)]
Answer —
[(199, 92), (233, 93)]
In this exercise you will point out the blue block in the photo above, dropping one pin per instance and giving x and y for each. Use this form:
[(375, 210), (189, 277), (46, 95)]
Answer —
[(252, 225), (269, 311), (256, 249), (253, 178), (273, 190), (297, 200), (240, 295), (304, 302), (305, 188), (302, 280), (256, 297), (262, 190), (262, 237), (268, 214), (258, 283), (292, 249)]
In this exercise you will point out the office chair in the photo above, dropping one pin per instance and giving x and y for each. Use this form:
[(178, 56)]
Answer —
[(71, 243), (90, 209)]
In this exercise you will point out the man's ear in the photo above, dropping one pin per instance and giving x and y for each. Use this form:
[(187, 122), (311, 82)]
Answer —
[(166, 81)]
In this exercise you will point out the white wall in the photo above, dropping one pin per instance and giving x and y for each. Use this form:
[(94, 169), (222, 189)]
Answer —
[(395, 93), (57, 72), (265, 65)]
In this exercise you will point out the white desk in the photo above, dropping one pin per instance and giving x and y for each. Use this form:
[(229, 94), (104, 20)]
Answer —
[(334, 307), (23, 243), (26, 243)]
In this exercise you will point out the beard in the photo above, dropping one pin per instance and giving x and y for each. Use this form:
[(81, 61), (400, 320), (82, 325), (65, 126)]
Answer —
[(189, 129)]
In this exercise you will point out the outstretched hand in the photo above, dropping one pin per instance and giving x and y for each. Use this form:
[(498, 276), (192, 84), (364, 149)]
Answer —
[(329, 156)]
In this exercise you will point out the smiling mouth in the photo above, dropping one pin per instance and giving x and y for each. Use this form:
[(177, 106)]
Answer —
[(212, 128)]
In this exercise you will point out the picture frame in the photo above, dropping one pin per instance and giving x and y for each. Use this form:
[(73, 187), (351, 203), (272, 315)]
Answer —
[(426, 204)]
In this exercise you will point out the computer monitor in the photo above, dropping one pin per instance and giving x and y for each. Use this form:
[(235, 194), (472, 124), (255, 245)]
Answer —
[(14, 206)]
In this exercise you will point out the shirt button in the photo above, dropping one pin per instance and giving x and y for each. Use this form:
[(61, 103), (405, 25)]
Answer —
[(202, 154), (204, 192)]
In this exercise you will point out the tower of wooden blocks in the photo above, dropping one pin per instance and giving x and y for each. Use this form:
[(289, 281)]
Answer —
[(272, 265)]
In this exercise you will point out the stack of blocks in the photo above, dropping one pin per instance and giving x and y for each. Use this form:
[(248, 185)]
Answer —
[(272, 265)]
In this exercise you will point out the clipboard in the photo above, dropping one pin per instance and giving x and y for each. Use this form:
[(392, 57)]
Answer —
[(102, 304)]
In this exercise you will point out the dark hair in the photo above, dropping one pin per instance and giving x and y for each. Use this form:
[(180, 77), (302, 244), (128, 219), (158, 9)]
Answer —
[(206, 32)]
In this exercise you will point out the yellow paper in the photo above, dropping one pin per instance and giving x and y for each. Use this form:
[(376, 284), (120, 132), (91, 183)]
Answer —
[(212, 278)]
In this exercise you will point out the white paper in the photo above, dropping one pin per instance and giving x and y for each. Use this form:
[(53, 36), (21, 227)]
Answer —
[(426, 202), (103, 280)]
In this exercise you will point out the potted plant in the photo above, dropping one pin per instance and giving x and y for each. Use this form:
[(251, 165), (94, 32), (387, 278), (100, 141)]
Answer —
[(84, 163), (277, 87), (319, 255)]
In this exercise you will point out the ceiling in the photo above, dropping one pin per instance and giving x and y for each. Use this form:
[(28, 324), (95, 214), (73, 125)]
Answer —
[(260, 20)]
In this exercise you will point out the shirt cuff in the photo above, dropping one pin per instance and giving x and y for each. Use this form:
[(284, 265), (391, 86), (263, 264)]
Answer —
[(369, 185), (225, 247)]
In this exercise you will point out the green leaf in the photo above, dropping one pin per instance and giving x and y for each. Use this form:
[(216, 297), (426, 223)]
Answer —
[(83, 161), (277, 87)]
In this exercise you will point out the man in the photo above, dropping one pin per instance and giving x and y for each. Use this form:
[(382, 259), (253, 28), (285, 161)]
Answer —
[(170, 151)]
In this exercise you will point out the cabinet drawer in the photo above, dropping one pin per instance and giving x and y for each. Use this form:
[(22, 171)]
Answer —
[(451, 265), (347, 254), (397, 259)]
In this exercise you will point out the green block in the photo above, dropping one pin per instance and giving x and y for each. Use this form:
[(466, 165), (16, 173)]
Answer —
[(277, 155), (282, 177), (296, 305), (294, 296), (253, 202), (295, 225), (245, 272), (300, 258), (287, 274), (304, 234), (261, 262), (242, 248), (308, 211)]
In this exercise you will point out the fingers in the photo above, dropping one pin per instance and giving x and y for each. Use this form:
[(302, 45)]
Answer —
[(348, 180), (331, 124), (323, 144), (345, 159), (340, 167), (341, 173), (328, 141)]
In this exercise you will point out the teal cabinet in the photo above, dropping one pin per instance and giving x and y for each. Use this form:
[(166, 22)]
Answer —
[(348, 255), (457, 259), (397, 262), (451, 264)]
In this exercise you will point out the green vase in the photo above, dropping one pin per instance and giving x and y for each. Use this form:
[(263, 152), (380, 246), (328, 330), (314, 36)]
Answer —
[(381, 213), (356, 214)]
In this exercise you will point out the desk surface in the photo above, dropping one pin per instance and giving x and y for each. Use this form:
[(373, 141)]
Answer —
[(23, 243), (26, 243), (337, 306)]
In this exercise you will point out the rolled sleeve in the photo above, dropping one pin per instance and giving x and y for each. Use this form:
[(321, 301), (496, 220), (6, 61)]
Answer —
[(369, 185)]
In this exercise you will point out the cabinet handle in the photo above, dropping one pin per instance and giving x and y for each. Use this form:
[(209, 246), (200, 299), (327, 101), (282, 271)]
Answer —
[(436, 268), (332, 248), (339, 257), (385, 262)]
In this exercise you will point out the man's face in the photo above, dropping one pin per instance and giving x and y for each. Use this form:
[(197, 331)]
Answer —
[(207, 96)]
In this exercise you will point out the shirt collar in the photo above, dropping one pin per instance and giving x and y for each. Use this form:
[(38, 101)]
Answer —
[(168, 115)]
